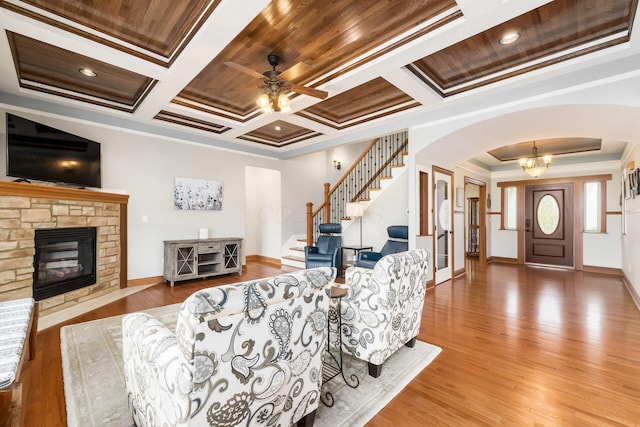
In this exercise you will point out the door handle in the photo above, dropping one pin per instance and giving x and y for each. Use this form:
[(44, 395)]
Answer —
[(527, 225)]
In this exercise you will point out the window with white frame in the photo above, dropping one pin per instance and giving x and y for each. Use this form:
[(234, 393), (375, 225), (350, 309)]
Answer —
[(592, 207), (510, 208)]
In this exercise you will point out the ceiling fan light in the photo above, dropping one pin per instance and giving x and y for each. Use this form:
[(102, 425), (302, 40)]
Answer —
[(263, 101), (284, 103)]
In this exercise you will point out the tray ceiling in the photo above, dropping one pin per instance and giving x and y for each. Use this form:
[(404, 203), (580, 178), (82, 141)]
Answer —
[(378, 60)]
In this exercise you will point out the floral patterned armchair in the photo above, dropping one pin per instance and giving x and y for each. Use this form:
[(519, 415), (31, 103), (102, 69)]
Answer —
[(243, 354), (383, 309)]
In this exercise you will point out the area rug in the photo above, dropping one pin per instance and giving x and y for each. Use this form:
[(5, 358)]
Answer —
[(95, 392)]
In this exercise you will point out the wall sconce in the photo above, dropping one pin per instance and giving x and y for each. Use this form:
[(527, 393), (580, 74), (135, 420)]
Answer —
[(336, 164)]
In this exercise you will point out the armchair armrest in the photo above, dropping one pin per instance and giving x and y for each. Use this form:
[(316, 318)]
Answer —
[(152, 368), (369, 256)]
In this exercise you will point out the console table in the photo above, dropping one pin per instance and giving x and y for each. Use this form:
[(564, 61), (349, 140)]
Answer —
[(199, 258)]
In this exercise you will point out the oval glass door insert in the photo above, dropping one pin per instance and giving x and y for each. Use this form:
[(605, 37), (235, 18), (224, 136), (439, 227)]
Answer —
[(548, 214)]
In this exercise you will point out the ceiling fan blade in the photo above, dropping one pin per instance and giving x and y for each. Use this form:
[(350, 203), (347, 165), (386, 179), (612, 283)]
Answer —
[(244, 69), (309, 91), (296, 71)]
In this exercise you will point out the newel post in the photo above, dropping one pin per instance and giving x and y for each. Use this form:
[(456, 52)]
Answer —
[(327, 202), (309, 224)]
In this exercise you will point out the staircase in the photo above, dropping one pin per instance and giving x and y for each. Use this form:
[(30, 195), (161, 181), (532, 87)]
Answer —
[(377, 168)]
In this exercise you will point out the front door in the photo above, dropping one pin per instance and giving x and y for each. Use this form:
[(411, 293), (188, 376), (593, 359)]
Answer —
[(549, 224), (443, 225)]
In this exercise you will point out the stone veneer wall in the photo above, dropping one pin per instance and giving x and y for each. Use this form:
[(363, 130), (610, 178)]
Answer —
[(21, 216)]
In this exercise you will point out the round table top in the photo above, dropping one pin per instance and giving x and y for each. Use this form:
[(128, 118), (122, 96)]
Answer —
[(337, 292)]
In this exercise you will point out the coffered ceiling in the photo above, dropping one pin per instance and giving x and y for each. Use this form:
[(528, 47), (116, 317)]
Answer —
[(162, 64)]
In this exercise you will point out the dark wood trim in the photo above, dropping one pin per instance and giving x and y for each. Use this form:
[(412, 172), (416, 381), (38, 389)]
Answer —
[(482, 218), (191, 122), (632, 291), (423, 191), (602, 270), (297, 139), (459, 272), (336, 126), (261, 258), (124, 244), (23, 189), (564, 180), (614, 212), (143, 281), (504, 260), (198, 106)]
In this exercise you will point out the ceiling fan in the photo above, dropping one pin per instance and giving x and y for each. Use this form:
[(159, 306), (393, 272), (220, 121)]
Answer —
[(276, 84)]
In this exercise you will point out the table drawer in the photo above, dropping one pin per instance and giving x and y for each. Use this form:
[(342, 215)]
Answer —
[(205, 248)]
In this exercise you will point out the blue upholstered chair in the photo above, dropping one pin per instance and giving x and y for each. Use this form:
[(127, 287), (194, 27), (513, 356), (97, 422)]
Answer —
[(398, 242), (328, 249)]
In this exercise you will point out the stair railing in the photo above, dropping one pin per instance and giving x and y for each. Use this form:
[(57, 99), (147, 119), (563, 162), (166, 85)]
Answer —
[(373, 165)]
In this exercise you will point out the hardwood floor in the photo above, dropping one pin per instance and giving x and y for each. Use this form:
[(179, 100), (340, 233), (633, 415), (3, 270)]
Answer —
[(521, 346)]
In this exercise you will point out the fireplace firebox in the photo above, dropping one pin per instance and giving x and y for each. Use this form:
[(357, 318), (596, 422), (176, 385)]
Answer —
[(64, 260)]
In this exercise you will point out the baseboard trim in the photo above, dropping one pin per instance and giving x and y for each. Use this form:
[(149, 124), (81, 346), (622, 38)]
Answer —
[(603, 270), (502, 260), (145, 281), (460, 272), (632, 291), (265, 259)]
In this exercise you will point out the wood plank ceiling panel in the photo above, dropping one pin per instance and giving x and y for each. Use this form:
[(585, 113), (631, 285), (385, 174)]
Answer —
[(156, 26), (551, 146), (44, 67), (279, 134), (550, 29), (324, 35), (377, 95)]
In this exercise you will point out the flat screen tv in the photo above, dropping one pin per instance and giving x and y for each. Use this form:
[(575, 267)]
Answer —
[(43, 153)]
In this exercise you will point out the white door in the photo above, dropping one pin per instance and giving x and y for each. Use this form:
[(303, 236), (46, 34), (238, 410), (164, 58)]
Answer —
[(443, 225)]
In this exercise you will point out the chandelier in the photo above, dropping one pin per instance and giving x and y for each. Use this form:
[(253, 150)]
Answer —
[(535, 166)]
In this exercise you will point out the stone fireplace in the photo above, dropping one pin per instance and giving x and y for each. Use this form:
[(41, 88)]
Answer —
[(25, 208)]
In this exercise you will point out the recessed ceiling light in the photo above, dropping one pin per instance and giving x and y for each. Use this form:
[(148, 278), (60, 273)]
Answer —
[(510, 37), (87, 72), (278, 128)]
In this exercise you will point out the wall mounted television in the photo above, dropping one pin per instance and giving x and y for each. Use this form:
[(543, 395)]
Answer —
[(43, 153)]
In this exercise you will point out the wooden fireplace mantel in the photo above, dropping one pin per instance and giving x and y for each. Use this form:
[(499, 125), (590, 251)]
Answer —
[(24, 189)]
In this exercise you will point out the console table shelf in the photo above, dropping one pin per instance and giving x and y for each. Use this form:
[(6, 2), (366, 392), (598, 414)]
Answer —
[(199, 258)]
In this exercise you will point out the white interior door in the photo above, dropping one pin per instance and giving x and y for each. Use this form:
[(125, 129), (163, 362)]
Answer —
[(443, 225)]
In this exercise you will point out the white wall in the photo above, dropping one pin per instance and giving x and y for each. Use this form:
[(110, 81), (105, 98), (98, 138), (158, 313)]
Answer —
[(263, 212), (302, 181), (145, 167), (631, 240), (388, 209)]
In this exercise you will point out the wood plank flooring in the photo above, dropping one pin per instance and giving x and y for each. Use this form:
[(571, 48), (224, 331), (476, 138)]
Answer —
[(521, 346)]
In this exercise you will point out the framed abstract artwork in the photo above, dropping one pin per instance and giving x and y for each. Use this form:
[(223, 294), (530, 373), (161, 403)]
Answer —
[(197, 194)]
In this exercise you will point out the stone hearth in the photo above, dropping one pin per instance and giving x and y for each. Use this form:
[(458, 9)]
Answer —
[(27, 207)]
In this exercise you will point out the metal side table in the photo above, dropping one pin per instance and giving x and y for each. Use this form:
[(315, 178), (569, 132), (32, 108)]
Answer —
[(332, 364)]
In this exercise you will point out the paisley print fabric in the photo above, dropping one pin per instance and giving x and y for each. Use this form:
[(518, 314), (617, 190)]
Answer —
[(243, 354), (384, 306)]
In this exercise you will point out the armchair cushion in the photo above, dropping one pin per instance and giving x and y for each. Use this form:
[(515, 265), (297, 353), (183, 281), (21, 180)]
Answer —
[(327, 251), (398, 242), (246, 353), (383, 309)]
